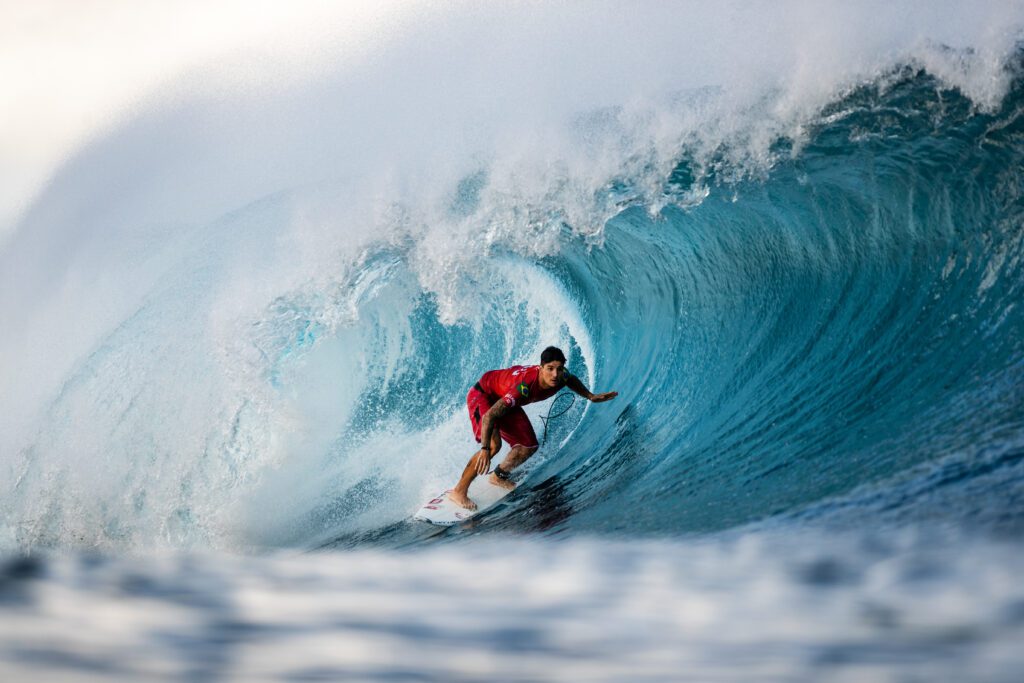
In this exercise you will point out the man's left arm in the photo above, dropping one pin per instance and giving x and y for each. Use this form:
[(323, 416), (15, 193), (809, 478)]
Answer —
[(574, 383)]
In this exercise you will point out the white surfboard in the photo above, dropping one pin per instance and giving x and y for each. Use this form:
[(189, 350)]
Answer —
[(442, 511)]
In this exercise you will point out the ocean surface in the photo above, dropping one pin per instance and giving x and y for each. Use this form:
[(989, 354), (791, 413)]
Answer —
[(240, 324)]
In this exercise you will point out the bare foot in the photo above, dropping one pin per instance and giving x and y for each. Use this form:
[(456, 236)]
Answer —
[(461, 499), (503, 483)]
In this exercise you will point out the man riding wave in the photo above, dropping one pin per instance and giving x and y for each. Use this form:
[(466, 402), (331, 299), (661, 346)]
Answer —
[(496, 411)]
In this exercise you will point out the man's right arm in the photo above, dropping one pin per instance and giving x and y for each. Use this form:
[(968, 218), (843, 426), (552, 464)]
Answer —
[(486, 429)]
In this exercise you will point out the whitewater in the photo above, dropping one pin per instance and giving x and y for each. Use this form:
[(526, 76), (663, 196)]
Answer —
[(240, 320)]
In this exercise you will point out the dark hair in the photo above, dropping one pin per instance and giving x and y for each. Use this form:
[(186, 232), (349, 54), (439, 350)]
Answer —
[(551, 353)]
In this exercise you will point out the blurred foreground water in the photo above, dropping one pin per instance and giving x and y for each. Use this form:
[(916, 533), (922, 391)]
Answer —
[(807, 606)]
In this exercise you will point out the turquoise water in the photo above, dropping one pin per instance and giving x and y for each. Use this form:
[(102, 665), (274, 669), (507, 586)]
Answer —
[(840, 337)]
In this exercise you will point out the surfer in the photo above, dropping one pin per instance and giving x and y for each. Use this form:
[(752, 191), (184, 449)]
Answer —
[(496, 412)]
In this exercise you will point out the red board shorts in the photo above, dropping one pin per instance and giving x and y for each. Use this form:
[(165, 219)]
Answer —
[(514, 426)]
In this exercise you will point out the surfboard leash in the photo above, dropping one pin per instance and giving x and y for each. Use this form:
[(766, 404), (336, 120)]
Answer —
[(549, 416)]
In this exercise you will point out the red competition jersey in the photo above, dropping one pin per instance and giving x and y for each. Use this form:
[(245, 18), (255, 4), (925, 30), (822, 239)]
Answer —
[(516, 386)]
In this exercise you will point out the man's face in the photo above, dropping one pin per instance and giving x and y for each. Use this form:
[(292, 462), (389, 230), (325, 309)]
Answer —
[(552, 373)]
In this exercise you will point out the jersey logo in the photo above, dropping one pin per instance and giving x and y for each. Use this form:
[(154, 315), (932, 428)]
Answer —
[(523, 389)]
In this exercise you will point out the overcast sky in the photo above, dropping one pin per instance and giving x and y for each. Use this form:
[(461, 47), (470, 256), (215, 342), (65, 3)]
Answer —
[(72, 70)]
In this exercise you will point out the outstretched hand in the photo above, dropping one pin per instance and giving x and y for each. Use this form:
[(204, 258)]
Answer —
[(607, 396)]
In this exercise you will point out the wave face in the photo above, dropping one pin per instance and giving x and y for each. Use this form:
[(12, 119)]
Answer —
[(810, 308), (846, 325)]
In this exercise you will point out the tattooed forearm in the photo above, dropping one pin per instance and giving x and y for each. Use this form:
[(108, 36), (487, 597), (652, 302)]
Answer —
[(489, 418)]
